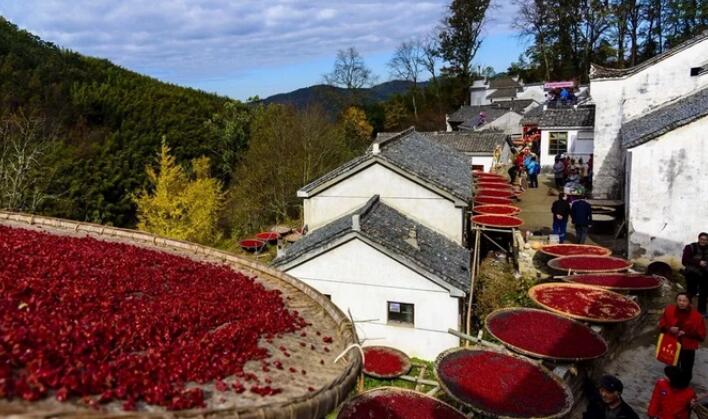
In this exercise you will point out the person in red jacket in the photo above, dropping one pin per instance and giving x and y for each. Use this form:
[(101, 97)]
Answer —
[(687, 324), (672, 397)]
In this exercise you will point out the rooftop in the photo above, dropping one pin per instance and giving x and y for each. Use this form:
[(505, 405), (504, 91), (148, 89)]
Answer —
[(502, 93), (570, 117), (469, 141), (599, 72), (396, 235), (415, 155), (664, 119)]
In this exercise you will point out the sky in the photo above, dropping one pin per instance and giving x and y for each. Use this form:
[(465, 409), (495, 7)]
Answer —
[(243, 48)]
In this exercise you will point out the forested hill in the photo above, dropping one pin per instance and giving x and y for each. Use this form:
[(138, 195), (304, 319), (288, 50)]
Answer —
[(108, 123), (325, 96)]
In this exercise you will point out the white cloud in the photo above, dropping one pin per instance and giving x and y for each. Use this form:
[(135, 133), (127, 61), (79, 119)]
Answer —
[(184, 39)]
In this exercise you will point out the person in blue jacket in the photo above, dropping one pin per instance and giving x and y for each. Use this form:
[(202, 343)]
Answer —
[(581, 214), (533, 169)]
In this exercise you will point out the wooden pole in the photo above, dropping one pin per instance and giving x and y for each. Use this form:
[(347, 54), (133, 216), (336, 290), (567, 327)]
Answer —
[(473, 275)]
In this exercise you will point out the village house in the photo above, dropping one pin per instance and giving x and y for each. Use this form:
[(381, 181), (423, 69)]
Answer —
[(483, 149), (621, 95), (426, 181), (566, 130), (403, 283), (500, 116), (650, 136)]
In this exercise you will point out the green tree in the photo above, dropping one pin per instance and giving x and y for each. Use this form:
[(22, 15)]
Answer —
[(460, 37), (176, 206), (287, 150)]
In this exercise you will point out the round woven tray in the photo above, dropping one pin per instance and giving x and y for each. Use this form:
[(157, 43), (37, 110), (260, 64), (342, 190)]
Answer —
[(489, 209), (498, 221), (483, 200), (480, 409), (405, 360), (395, 390), (494, 193), (555, 264), (552, 250), (330, 382), (532, 295), (523, 351), (577, 279)]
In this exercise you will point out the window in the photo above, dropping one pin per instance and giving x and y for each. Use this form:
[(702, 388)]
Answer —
[(478, 167), (400, 313), (557, 143)]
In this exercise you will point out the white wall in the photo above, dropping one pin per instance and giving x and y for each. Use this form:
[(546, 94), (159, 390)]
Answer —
[(486, 160), (411, 199), (668, 193), (618, 100), (361, 279), (580, 145)]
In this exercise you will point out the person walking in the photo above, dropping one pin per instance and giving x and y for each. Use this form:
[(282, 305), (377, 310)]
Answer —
[(695, 262), (558, 169), (688, 326), (581, 213), (605, 400), (533, 169), (672, 397), (561, 211)]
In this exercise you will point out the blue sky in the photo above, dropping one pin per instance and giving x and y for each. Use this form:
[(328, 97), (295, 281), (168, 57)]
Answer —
[(242, 48)]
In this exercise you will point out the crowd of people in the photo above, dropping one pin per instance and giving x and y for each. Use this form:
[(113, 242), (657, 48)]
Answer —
[(572, 175), (525, 169), (672, 397)]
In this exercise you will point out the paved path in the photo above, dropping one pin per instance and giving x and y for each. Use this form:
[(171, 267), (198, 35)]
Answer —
[(536, 213)]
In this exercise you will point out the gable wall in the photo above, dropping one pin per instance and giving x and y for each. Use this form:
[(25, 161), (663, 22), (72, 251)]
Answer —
[(361, 279), (413, 200), (668, 192), (618, 101)]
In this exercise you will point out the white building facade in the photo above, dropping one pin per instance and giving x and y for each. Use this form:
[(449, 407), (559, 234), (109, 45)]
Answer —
[(387, 271), (622, 95), (566, 131), (667, 178), (426, 181)]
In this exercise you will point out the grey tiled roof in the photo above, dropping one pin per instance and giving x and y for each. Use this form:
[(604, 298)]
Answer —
[(389, 229), (470, 114), (425, 159), (532, 116), (599, 72), (517, 105), (582, 116), (469, 141), (503, 82), (500, 93), (665, 119)]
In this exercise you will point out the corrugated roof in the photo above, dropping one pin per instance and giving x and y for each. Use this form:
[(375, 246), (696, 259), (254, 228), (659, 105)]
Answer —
[(599, 72), (667, 118), (388, 228), (570, 117), (423, 158)]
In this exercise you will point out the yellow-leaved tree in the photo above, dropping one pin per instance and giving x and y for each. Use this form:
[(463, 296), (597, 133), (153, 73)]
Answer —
[(177, 205)]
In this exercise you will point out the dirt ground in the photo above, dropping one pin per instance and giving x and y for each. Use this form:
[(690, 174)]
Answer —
[(635, 364)]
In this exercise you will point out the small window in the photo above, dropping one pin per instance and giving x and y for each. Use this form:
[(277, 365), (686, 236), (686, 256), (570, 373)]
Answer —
[(557, 143), (400, 313), (329, 296)]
